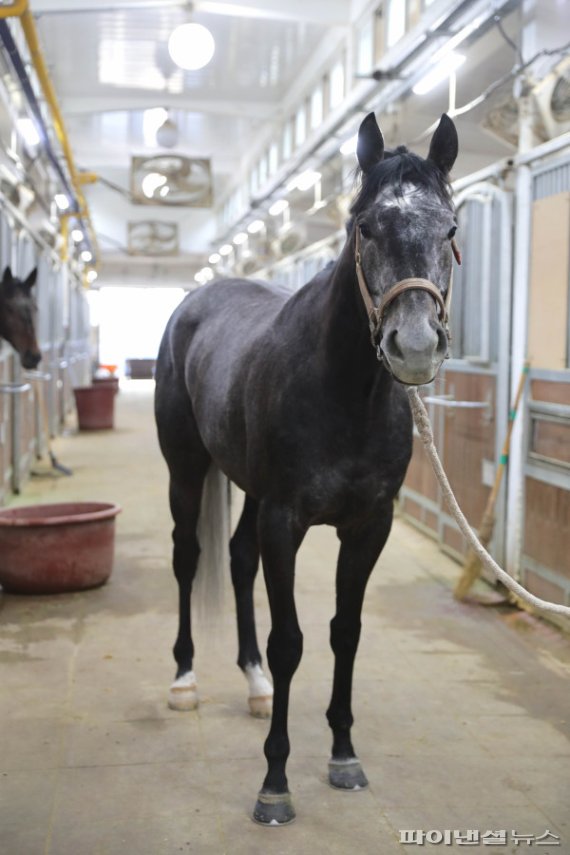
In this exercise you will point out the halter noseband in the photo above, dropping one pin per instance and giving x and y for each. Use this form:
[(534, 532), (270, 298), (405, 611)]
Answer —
[(376, 313)]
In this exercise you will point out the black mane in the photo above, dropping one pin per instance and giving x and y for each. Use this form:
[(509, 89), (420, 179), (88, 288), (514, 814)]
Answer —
[(396, 169)]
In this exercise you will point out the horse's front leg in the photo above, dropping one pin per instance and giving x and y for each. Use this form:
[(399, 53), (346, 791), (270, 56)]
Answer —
[(279, 539), (359, 551)]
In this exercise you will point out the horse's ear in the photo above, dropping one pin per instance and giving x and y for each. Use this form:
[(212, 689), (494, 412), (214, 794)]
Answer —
[(370, 145), (31, 280), (444, 145), (7, 275)]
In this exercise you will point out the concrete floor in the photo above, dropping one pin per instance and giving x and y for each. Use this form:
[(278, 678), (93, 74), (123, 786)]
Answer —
[(462, 715)]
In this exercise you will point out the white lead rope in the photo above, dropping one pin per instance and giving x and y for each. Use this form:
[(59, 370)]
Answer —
[(423, 425)]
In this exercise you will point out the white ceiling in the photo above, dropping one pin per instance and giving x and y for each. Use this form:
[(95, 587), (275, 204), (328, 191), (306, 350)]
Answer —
[(109, 62)]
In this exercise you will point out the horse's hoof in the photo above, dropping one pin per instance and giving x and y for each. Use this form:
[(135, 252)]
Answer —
[(274, 809), (183, 694), (347, 774), (261, 707)]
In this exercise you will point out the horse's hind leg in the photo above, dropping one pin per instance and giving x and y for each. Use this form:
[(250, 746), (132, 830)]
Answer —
[(244, 552), (185, 493), (359, 552)]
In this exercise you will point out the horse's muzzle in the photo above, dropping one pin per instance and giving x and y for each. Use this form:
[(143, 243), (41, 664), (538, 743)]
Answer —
[(415, 351), (31, 359)]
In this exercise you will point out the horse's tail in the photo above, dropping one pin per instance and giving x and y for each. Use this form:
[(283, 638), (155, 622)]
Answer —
[(213, 536)]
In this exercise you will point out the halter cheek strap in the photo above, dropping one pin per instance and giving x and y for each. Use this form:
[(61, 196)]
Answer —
[(376, 313)]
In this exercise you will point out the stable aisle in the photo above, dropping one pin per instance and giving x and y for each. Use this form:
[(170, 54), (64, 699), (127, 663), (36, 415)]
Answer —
[(461, 712)]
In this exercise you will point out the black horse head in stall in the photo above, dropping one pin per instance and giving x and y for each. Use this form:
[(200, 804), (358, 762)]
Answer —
[(17, 316)]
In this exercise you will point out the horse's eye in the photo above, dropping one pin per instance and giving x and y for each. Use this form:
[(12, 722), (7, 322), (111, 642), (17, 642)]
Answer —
[(451, 232), (364, 230)]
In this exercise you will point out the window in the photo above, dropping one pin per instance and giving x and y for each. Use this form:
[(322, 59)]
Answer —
[(396, 22), (287, 143), (476, 295), (300, 126), (365, 47), (273, 160), (317, 107), (336, 85), (253, 181), (262, 170)]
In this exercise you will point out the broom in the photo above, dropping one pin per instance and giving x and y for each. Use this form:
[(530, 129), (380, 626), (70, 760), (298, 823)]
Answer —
[(472, 566)]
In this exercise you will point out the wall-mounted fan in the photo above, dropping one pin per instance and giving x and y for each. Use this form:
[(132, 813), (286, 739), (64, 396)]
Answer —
[(502, 121), (552, 98), (49, 233), (248, 266), (172, 179), (290, 238), (152, 237)]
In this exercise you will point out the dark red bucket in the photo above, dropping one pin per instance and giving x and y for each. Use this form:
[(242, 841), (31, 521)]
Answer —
[(95, 406), (111, 382), (56, 548)]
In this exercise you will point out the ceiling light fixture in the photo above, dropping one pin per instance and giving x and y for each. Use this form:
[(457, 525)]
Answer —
[(167, 134), (153, 119), (206, 274), (215, 258), (92, 275), (240, 238), (191, 46), (77, 235), (28, 131), (226, 249), (61, 201), (278, 207), (255, 227), (349, 145), (438, 73), (305, 180), (86, 255)]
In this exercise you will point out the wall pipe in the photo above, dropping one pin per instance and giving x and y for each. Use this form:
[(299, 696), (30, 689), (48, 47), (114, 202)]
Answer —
[(16, 60), (20, 9), (364, 96)]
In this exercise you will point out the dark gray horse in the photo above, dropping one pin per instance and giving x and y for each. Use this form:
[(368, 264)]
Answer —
[(17, 314), (299, 401)]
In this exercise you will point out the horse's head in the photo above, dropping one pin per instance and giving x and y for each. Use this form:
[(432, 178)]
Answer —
[(404, 225), (17, 314)]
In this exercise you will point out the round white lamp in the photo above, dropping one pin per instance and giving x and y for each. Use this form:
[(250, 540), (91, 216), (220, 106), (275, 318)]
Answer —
[(167, 134), (191, 46)]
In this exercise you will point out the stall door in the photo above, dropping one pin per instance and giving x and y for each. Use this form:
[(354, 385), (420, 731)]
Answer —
[(468, 403), (546, 541)]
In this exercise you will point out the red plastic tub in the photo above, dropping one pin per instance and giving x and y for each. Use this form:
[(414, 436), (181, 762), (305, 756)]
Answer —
[(56, 548), (95, 406)]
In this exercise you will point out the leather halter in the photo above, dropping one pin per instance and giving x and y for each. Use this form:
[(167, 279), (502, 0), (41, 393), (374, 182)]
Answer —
[(376, 313)]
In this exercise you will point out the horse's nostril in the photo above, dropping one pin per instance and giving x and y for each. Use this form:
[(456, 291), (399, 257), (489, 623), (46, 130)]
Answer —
[(392, 345), (441, 341)]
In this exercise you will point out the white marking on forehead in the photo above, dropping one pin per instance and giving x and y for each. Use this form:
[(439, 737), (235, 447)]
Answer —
[(407, 195)]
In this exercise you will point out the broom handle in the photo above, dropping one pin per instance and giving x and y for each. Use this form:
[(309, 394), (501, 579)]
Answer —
[(507, 443)]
